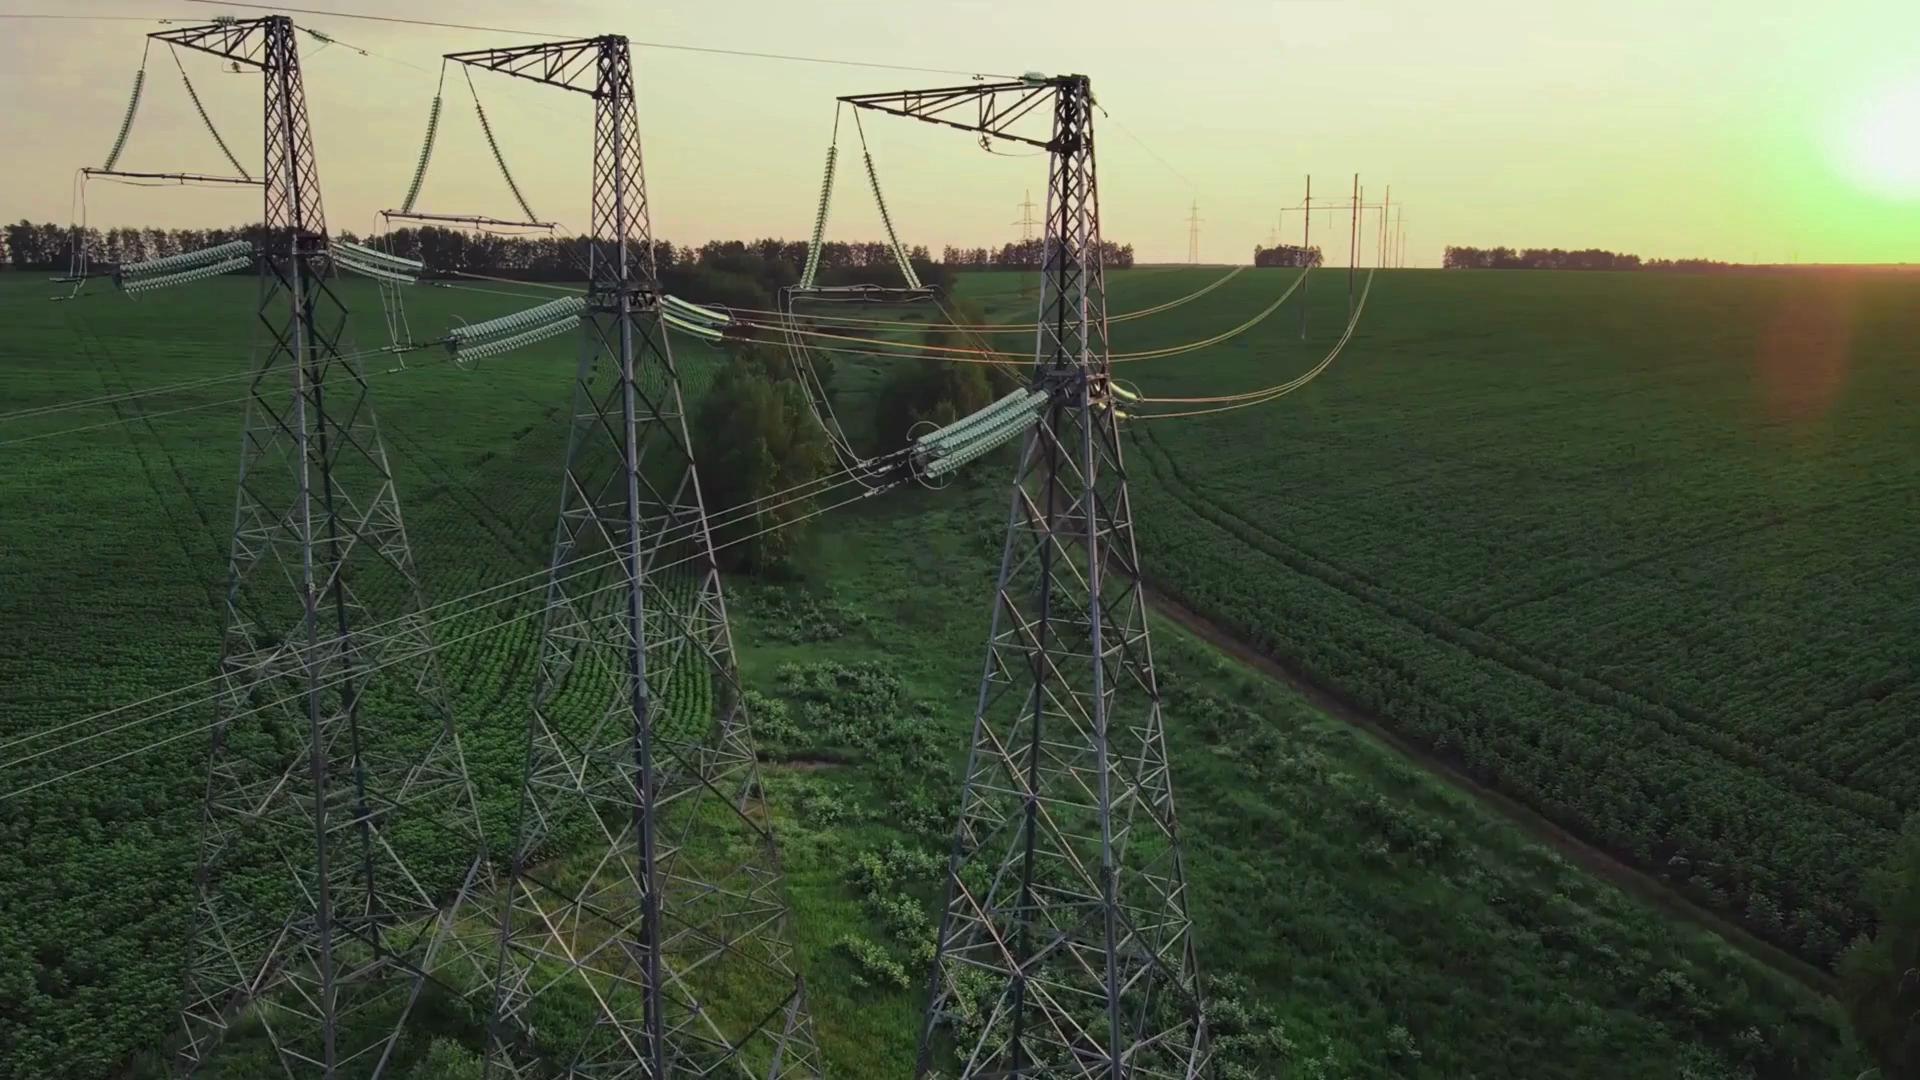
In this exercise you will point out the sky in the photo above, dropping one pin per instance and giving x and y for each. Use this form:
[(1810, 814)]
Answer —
[(1744, 131)]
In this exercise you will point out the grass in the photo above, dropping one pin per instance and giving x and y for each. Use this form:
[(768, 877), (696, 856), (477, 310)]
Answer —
[(1357, 917)]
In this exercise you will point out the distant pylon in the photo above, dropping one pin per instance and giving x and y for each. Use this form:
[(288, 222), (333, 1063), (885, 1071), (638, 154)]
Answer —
[(663, 935), (1027, 220), (318, 916), (1193, 233)]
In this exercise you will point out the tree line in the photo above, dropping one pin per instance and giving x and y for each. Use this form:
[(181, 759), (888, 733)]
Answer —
[(1026, 255), (1506, 258), (27, 245)]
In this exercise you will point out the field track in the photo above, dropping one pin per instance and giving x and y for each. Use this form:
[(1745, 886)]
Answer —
[(1593, 859)]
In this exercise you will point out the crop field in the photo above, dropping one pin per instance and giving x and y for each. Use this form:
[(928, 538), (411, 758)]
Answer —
[(1633, 548), (1611, 542)]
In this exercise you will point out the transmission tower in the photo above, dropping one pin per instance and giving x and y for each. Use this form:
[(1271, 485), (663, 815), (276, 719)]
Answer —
[(1027, 220), (1193, 233), (1306, 246), (317, 915), (1065, 947), (666, 922)]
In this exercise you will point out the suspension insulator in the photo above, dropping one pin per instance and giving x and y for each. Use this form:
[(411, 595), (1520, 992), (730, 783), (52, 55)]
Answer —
[(188, 259), (367, 269), (945, 449), (426, 152), (194, 95), (506, 324), (481, 350), (199, 273), (363, 253), (501, 160), (696, 313), (688, 326), (971, 423), (126, 122), (820, 221), (886, 219), (981, 443)]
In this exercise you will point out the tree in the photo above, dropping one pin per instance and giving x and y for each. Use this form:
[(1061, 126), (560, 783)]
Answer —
[(1880, 975), (755, 435), (23, 246), (936, 391)]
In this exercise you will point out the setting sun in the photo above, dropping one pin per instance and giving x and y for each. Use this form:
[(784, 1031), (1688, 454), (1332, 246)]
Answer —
[(1881, 146)]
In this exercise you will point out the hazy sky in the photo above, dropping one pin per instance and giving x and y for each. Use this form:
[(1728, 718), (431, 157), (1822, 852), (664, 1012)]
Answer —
[(1741, 130)]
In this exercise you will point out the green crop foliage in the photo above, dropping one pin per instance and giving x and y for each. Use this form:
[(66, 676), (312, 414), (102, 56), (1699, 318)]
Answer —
[(1625, 546), (1597, 539)]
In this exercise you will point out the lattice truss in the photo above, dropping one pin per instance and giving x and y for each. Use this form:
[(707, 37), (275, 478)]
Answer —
[(665, 920), (339, 843), (1065, 947)]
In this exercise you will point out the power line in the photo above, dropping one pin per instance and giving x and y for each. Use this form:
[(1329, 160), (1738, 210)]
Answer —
[(595, 563), (123, 419), (1128, 132), (1269, 394), (410, 656), (94, 18), (721, 519), (119, 397), (549, 35)]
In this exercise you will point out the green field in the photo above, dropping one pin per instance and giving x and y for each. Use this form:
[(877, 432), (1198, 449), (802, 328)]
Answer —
[(1633, 548), (1606, 540)]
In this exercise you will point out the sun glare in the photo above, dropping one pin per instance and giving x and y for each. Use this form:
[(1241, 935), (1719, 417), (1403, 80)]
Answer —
[(1882, 142)]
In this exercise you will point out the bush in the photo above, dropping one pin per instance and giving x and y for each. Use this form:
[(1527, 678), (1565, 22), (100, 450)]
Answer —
[(875, 967)]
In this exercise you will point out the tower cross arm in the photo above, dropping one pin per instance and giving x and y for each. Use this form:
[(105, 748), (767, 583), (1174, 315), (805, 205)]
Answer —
[(241, 40), (569, 65), (990, 109)]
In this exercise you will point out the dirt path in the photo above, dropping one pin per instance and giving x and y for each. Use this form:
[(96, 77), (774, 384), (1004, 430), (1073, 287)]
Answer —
[(1595, 860)]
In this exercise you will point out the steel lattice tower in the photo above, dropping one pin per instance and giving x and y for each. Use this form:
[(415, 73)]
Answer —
[(665, 920), (320, 909), (1065, 947)]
